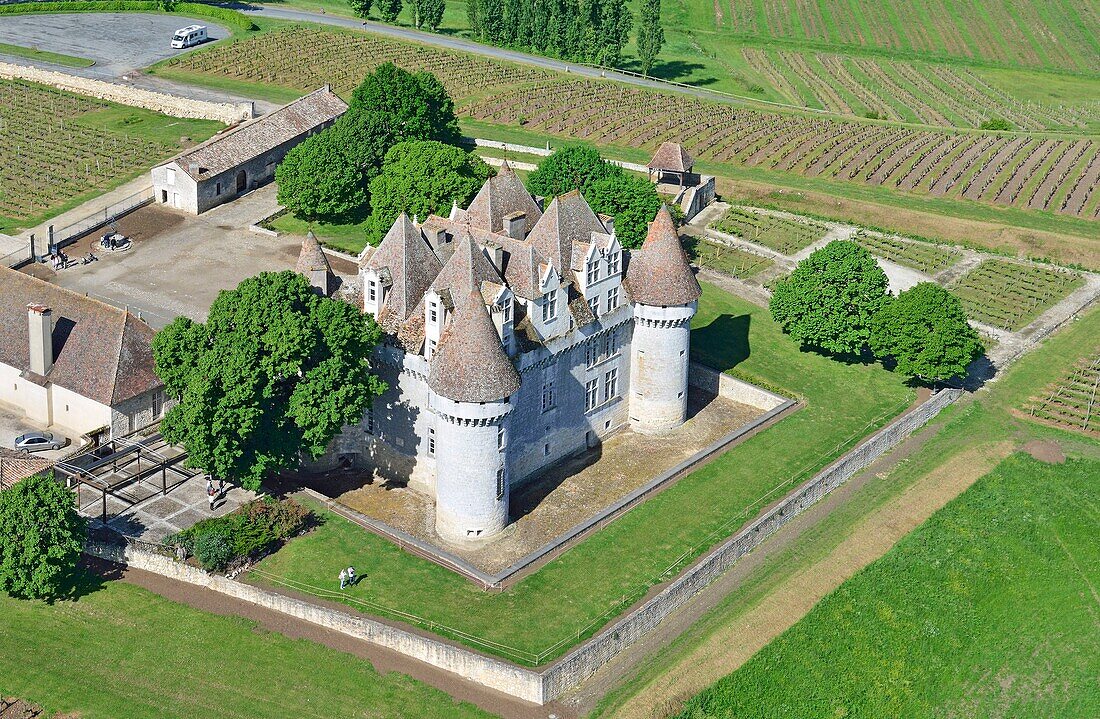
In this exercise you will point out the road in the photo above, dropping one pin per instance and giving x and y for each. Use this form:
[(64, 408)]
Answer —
[(451, 42)]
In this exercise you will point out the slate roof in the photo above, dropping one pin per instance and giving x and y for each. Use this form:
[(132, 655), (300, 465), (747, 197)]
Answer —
[(567, 220), (412, 267), (467, 268), (253, 138), (100, 352), (470, 364), (673, 157), (500, 196), (659, 273)]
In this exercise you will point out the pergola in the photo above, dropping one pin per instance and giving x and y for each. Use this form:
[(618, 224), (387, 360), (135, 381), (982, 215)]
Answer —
[(671, 159)]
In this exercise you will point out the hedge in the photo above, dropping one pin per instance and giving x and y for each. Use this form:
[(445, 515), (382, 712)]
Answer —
[(248, 532), (233, 19)]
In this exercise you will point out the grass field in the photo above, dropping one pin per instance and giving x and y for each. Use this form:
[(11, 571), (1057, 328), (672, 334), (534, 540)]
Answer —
[(727, 260), (989, 607), (991, 419), (33, 53), (122, 651), (571, 597), (782, 235), (59, 148)]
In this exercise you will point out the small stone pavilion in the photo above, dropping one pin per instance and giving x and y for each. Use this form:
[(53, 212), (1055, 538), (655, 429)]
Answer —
[(672, 161)]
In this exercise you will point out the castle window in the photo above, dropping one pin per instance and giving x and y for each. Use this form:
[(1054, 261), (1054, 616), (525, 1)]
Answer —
[(500, 483), (611, 384), (372, 292), (370, 422), (158, 404), (593, 274), (591, 354), (507, 311), (612, 298), (433, 313), (594, 305), (500, 438), (591, 394), (431, 441), (546, 450), (613, 263), (550, 306), (547, 395), (609, 344)]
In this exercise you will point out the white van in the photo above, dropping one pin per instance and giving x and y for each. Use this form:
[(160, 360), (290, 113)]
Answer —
[(188, 36)]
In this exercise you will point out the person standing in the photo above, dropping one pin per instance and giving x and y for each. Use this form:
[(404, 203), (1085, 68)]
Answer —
[(351, 576), (343, 578), (211, 493)]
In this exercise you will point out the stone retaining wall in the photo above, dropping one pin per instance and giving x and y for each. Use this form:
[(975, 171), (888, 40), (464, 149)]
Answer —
[(490, 672), (136, 97), (585, 660), (723, 385)]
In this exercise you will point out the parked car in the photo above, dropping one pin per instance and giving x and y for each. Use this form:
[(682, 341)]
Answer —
[(189, 36), (39, 442)]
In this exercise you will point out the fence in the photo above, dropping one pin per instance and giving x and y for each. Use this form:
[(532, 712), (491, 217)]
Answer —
[(70, 233)]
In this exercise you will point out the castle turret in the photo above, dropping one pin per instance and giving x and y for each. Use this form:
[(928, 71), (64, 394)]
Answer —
[(314, 265), (471, 381), (664, 294)]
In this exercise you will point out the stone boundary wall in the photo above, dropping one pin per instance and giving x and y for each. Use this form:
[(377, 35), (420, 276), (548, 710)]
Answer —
[(546, 151), (583, 662), (731, 388), (136, 97), (494, 673)]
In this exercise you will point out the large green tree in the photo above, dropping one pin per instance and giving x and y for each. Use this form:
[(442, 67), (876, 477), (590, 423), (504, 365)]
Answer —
[(361, 8), (320, 178), (633, 201), (388, 10), (41, 536), (421, 178), (273, 374), (828, 301), (406, 105), (925, 331), (651, 36), (428, 13)]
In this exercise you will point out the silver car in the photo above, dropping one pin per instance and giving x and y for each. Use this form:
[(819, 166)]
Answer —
[(39, 442)]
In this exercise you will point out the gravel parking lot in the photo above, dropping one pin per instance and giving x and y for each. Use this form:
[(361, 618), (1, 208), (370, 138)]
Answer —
[(13, 423), (119, 42)]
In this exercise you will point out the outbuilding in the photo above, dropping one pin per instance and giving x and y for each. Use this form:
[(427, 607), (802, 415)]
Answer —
[(241, 159), (75, 363)]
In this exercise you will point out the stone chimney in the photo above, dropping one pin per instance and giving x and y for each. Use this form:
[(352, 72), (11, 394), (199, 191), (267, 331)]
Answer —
[(495, 253), (514, 225), (40, 332)]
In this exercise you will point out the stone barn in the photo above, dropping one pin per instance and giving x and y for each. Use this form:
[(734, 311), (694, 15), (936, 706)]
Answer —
[(241, 159)]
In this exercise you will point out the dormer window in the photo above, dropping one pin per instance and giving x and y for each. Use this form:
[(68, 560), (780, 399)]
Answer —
[(612, 298), (594, 305), (372, 292), (613, 261), (433, 312), (593, 275), (550, 306), (507, 312)]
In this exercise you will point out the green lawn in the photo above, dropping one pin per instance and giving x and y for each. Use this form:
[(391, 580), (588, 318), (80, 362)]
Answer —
[(571, 597), (988, 609), (44, 55), (350, 238), (121, 651), (138, 122), (988, 418)]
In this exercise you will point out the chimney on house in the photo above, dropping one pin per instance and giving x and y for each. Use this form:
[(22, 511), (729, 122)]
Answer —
[(514, 225), (40, 332), (495, 253), (193, 168)]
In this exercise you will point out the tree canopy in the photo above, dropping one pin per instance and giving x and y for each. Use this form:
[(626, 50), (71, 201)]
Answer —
[(828, 301), (608, 188), (326, 177), (428, 13), (651, 36), (41, 536), (274, 373), (421, 178), (925, 331)]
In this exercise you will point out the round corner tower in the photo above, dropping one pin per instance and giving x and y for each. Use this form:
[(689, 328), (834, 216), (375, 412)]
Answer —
[(471, 381), (664, 294)]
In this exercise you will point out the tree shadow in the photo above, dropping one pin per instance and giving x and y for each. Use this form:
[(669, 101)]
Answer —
[(724, 343), (673, 71)]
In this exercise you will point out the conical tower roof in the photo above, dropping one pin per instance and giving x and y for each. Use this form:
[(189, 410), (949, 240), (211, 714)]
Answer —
[(659, 274), (311, 258), (470, 364)]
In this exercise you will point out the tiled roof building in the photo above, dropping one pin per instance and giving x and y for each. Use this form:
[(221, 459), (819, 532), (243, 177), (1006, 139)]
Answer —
[(74, 362), (513, 342)]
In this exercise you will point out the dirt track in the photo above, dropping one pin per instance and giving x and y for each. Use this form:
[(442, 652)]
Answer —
[(728, 649)]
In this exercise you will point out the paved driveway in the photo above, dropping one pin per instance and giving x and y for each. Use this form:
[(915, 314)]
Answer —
[(13, 423), (119, 42)]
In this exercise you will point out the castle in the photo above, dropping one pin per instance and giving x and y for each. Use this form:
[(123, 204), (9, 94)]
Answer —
[(516, 336)]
